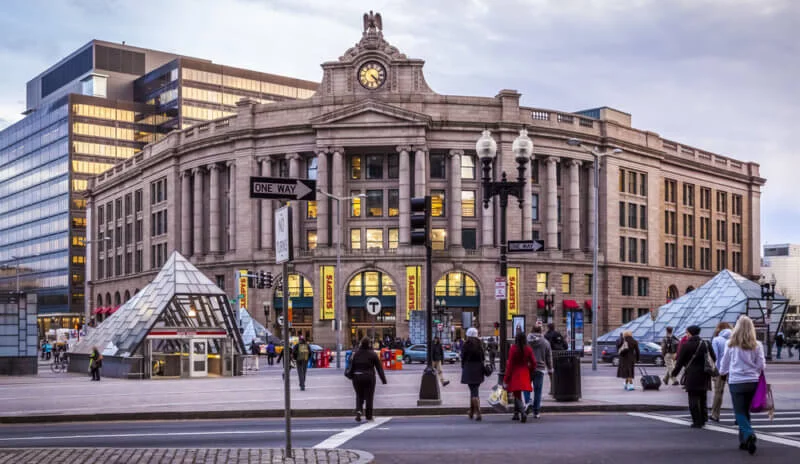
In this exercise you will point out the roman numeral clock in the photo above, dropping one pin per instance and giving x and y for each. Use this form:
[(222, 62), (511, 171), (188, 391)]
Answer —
[(371, 75)]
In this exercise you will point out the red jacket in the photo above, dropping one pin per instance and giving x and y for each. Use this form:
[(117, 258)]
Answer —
[(519, 368)]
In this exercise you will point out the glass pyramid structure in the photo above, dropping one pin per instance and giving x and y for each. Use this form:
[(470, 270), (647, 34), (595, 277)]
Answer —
[(180, 296), (722, 299), (251, 329)]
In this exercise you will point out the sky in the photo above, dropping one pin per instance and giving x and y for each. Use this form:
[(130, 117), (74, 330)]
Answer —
[(719, 75)]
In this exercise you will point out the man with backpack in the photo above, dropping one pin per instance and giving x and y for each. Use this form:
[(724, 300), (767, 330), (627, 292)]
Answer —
[(301, 353), (554, 337), (669, 348)]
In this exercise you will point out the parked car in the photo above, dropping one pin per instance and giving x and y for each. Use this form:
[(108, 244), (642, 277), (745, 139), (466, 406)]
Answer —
[(419, 353), (649, 353)]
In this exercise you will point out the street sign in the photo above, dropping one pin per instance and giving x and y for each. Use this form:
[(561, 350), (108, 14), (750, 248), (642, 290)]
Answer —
[(283, 234), (515, 246), (279, 188), (373, 306), (500, 288)]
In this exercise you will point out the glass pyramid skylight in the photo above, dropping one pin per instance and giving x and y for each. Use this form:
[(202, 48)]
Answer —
[(180, 296)]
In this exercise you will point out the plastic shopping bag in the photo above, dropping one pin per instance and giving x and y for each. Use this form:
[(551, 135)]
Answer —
[(498, 399), (762, 400)]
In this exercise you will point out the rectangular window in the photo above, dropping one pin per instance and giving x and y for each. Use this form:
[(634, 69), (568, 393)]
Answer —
[(468, 203), (138, 230), (622, 254), (688, 257), (722, 202), (137, 265), (688, 195), (128, 204), (355, 167), (100, 216), (109, 267), (558, 173), (632, 219), (622, 176), (393, 164), (534, 172), (101, 268), (355, 239), (158, 191), (587, 278), (394, 202), (736, 205), (705, 198), (467, 167), (643, 284), (633, 255), (632, 183), (541, 282), (643, 250), (355, 204), (627, 315), (374, 203), (437, 165), (469, 239), (566, 284), (311, 209), (627, 285), (118, 265), (137, 201), (437, 203), (374, 238), (669, 191), (128, 263), (311, 239), (374, 166), (643, 217), (535, 206), (558, 240), (118, 208), (438, 239), (736, 233), (643, 185), (394, 237), (670, 255), (705, 259), (688, 225), (622, 216), (642, 312), (311, 168), (558, 208), (722, 231)]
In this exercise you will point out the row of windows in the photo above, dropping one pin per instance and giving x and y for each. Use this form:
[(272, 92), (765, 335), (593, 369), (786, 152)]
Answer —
[(373, 166), (43, 174), (27, 134), (636, 217), (633, 250), (36, 229), (35, 247), (164, 97), (204, 114), (35, 194), (107, 213), (371, 283), (35, 159), (158, 255), (108, 132), (643, 286), (215, 97), (670, 188), (101, 112), (372, 204), (99, 149), (246, 84), (90, 167), (41, 210), (79, 185), (634, 183), (671, 259)]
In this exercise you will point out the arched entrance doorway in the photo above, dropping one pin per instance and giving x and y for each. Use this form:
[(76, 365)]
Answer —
[(462, 300), (301, 298), (361, 287)]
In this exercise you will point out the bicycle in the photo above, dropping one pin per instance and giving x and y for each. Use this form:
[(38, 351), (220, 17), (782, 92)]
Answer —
[(60, 365)]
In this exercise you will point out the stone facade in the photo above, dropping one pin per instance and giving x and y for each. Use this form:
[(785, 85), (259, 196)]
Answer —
[(401, 140)]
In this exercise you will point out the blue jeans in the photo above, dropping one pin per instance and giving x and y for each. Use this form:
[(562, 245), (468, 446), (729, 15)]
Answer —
[(538, 382), (780, 348), (741, 397)]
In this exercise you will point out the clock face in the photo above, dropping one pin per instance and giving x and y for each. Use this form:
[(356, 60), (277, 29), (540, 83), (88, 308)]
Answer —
[(372, 75)]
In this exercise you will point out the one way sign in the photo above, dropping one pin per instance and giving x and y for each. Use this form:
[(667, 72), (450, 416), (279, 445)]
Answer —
[(278, 188)]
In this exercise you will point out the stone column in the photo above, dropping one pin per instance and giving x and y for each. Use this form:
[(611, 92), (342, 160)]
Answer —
[(405, 196), (574, 205), (592, 212), (198, 211), (323, 201), (213, 210), (454, 211), (551, 241), (420, 172), (338, 181), (294, 172), (186, 210), (231, 238), (266, 208)]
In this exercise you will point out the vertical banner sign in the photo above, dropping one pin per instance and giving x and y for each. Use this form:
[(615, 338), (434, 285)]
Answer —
[(243, 288), (413, 290), (513, 292), (328, 286)]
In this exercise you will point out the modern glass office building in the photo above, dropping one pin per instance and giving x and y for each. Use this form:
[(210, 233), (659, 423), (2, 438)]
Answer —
[(98, 106)]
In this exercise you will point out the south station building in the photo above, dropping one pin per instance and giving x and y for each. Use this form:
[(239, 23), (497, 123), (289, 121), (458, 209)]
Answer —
[(375, 135)]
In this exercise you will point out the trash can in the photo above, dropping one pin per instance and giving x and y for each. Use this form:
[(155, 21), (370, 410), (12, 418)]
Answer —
[(347, 355), (567, 375)]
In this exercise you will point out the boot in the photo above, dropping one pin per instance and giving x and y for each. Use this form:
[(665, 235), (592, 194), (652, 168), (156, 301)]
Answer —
[(477, 406), (520, 406), (471, 412)]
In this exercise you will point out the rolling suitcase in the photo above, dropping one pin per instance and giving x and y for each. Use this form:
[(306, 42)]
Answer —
[(650, 382)]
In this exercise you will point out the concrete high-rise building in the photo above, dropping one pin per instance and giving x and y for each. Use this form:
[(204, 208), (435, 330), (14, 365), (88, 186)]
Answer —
[(783, 261), (95, 108)]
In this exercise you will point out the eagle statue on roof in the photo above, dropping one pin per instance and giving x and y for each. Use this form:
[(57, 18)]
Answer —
[(372, 21)]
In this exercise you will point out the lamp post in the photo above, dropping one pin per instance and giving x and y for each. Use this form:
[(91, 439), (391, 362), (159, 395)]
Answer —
[(486, 147), (336, 298), (87, 278), (595, 235), (549, 296), (768, 293)]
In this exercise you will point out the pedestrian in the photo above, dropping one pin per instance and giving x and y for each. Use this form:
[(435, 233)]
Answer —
[(363, 365), (437, 356), (628, 353), (270, 353), (48, 348), (743, 363), (721, 336), (681, 343), (280, 355), (669, 347), (491, 347), (44, 342), (554, 337), (519, 367), (95, 363), (697, 382), (472, 371), (458, 345), (300, 354), (255, 350), (779, 342), (544, 354)]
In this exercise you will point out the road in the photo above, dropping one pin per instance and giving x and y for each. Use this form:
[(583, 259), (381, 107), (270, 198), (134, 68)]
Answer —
[(584, 438)]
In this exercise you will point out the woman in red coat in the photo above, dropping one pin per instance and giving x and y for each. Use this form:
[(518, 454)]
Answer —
[(521, 363)]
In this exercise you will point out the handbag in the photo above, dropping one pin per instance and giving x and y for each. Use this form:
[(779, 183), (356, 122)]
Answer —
[(683, 375), (624, 348), (710, 366), (498, 399), (488, 369), (762, 399)]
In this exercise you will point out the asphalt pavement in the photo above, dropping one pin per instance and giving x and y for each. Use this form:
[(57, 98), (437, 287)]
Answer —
[(584, 438)]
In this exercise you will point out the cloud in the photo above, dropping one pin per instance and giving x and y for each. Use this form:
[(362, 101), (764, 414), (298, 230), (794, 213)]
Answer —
[(715, 74)]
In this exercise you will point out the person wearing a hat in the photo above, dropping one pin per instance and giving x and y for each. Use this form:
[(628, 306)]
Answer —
[(472, 372), (696, 381)]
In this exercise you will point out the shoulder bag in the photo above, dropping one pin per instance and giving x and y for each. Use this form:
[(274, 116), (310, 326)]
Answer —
[(710, 366), (623, 349), (683, 375)]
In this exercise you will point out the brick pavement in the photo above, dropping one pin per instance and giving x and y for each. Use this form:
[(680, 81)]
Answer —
[(182, 456)]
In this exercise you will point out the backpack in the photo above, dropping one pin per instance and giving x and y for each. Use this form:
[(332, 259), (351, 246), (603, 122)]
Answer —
[(558, 342), (302, 352), (669, 344)]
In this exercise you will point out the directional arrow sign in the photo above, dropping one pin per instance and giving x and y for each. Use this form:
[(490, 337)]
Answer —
[(278, 188), (525, 245)]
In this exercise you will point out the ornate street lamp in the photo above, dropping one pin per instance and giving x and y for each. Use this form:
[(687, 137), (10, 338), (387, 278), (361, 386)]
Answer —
[(486, 147), (768, 293), (441, 306)]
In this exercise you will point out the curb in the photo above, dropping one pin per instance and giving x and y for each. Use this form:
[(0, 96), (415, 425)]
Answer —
[(363, 457), (311, 413)]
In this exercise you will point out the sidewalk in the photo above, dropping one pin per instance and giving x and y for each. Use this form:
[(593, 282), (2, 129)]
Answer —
[(173, 455), (52, 397)]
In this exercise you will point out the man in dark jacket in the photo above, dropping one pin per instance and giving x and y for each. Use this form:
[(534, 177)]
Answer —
[(555, 338), (779, 342), (437, 356), (363, 366), (544, 356), (301, 353), (692, 357), (491, 347)]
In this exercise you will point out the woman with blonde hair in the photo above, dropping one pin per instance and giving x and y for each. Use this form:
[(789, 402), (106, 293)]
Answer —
[(743, 363)]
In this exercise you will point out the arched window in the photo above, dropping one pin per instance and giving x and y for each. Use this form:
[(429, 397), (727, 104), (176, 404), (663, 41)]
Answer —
[(672, 293), (456, 284), (136, 291), (127, 295), (117, 299), (371, 283), (99, 302), (108, 299), (689, 289)]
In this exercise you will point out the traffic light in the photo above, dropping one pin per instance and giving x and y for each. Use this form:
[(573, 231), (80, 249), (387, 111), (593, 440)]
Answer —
[(420, 220), (262, 279), (268, 280), (251, 281), (496, 325)]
